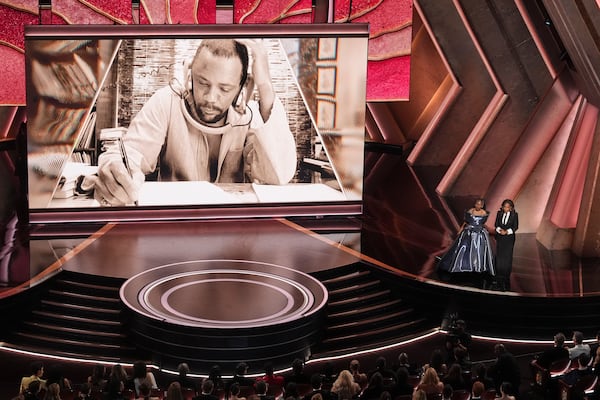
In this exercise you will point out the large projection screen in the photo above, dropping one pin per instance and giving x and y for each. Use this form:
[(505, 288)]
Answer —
[(89, 83)]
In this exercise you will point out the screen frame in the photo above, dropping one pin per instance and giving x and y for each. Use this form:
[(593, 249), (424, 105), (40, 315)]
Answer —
[(203, 211)]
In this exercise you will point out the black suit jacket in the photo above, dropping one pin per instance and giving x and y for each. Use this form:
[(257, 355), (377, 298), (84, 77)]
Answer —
[(513, 221)]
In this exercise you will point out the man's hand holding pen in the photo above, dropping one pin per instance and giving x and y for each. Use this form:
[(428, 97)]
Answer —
[(115, 185)]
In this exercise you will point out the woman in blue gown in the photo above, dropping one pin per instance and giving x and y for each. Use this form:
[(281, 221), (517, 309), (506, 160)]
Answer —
[(471, 252)]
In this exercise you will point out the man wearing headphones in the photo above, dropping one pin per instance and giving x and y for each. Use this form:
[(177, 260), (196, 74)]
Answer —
[(206, 131)]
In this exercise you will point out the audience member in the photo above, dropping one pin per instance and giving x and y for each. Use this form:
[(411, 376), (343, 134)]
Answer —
[(462, 358), (357, 374), (505, 369), (480, 374), (402, 387), (344, 386), (329, 375), (174, 391), (215, 376), (385, 395), (270, 377), (316, 382), (583, 369), (455, 378), (185, 382), (261, 390), (596, 362), (381, 367), (374, 387), (234, 392), (207, 391), (430, 382), (403, 362), (52, 392), (506, 390), (240, 375), (141, 375), (32, 391), (578, 346), (146, 391), (436, 361), (37, 371), (114, 388), (54, 374), (298, 375), (557, 352), (419, 395), (477, 390), (97, 380), (85, 392), (119, 374), (447, 392), (291, 392)]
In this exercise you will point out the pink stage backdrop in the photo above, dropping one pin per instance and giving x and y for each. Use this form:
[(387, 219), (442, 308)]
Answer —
[(389, 45)]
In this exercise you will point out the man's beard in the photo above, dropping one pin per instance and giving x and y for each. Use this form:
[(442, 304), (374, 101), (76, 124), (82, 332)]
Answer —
[(197, 114), (211, 118)]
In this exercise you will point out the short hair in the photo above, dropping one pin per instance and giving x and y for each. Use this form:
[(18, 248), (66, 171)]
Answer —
[(183, 369), (560, 338), (297, 365), (261, 387), (34, 386), (241, 368), (229, 49), (139, 369), (578, 337), (207, 386), (35, 366), (316, 380), (234, 389), (380, 362), (478, 388), (506, 387)]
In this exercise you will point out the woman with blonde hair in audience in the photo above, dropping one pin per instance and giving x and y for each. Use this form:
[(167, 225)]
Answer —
[(430, 382), (52, 392), (344, 386), (419, 395)]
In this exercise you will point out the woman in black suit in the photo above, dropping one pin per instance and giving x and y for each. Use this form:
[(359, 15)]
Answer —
[(507, 223)]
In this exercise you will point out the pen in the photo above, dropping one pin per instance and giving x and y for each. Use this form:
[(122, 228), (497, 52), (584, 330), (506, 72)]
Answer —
[(126, 161)]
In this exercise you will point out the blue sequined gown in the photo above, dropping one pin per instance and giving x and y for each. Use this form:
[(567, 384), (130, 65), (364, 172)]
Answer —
[(471, 251)]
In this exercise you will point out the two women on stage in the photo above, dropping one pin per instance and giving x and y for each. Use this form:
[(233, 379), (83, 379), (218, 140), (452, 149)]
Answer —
[(471, 252)]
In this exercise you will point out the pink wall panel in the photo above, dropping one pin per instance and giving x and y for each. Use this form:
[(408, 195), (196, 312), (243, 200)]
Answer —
[(272, 11), (389, 47)]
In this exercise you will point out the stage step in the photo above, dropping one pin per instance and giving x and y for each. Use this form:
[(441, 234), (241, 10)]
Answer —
[(77, 314), (364, 312)]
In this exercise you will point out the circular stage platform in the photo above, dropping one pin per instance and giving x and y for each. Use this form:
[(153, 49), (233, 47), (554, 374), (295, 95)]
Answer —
[(224, 311)]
